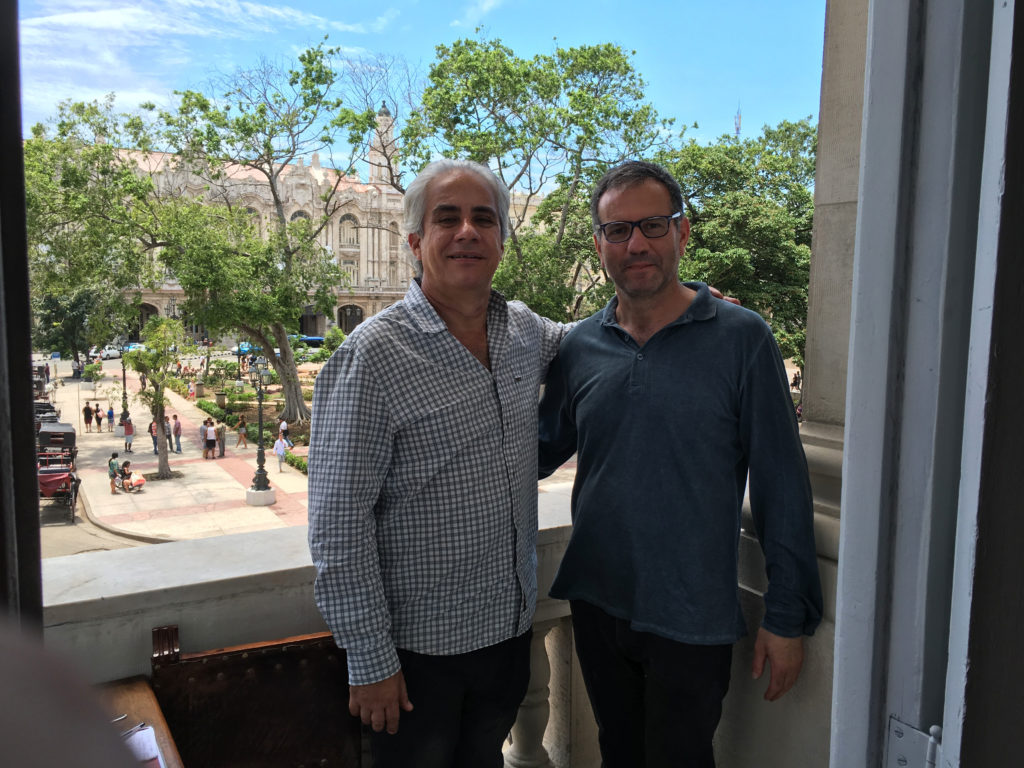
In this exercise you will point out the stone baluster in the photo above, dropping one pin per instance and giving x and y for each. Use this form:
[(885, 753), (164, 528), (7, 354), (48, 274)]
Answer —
[(527, 749)]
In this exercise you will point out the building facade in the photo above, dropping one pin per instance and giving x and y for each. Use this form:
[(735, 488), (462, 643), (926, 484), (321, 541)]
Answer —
[(362, 230)]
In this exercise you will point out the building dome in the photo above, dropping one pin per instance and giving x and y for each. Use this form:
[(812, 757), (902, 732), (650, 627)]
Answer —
[(384, 111)]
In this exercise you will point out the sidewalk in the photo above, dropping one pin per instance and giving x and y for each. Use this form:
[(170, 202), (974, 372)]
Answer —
[(209, 500)]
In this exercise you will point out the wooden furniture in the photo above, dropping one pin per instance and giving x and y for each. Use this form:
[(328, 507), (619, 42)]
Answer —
[(135, 698), (278, 704)]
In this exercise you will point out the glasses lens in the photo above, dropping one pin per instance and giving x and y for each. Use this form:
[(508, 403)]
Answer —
[(617, 231), (656, 226)]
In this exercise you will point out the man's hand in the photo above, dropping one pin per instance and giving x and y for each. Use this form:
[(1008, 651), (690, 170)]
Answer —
[(718, 295), (784, 654), (378, 705)]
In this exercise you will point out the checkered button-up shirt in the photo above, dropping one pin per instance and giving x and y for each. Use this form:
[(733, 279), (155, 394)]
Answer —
[(423, 484)]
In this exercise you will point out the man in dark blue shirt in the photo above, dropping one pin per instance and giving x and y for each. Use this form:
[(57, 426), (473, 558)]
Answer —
[(672, 399)]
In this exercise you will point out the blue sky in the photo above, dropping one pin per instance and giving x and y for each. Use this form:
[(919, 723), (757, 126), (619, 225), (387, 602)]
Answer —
[(701, 59)]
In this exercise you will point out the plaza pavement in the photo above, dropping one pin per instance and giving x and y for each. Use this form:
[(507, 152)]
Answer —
[(209, 498)]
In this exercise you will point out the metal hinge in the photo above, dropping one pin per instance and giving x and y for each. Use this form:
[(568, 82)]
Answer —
[(910, 748)]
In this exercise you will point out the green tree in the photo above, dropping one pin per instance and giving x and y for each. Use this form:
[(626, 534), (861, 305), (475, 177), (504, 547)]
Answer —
[(164, 339), (536, 122), (266, 118), (750, 204), (86, 208)]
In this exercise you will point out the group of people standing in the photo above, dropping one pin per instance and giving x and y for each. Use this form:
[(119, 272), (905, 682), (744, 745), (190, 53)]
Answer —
[(95, 412), (212, 437)]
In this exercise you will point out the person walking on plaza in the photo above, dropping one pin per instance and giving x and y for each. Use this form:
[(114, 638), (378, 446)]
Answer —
[(211, 439), (112, 470), (280, 446), (243, 438), (674, 403), (110, 418), (142, 381), (87, 417), (282, 428), (176, 431), (129, 434), (221, 432), (98, 415), (154, 433)]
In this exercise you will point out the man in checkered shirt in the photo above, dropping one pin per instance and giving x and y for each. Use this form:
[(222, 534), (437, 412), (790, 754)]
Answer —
[(423, 488)]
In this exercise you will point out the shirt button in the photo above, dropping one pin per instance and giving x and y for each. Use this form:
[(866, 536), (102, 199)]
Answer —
[(640, 356)]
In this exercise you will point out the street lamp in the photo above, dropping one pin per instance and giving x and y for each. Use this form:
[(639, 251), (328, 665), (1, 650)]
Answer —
[(122, 342), (171, 308), (256, 373)]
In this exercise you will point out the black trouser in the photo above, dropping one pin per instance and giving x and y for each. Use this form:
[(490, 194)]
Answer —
[(463, 708), (657, 702)]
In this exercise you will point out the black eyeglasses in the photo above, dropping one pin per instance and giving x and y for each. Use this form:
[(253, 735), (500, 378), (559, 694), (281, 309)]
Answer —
[(652, 226)]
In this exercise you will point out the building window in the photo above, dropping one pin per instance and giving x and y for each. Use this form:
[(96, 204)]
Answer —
[(348, 231)]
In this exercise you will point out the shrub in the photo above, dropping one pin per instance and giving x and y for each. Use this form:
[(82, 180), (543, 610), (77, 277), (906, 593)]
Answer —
[(332, 340), (299, 462), (322, 355), (211, 408), (93, 372)]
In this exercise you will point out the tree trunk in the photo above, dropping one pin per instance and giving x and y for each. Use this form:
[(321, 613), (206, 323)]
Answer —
[(163, 469), (295, 408)]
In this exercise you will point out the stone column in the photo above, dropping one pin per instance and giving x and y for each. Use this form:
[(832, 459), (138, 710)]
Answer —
[(527, 750)]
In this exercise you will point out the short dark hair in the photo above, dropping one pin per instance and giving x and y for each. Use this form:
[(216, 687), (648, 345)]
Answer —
[(629, 174)]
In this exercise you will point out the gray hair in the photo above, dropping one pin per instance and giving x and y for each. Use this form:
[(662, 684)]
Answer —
[(415, 199), (629, 174)]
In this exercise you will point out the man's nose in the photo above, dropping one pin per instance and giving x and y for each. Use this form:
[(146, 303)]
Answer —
[(637, 241), (467, 230)]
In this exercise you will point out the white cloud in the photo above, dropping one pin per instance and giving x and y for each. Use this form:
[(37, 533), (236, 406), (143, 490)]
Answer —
[(475, 12), (81, 49)]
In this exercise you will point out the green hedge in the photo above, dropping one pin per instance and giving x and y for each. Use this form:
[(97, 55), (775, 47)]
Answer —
[(299, 462), (217, 412)]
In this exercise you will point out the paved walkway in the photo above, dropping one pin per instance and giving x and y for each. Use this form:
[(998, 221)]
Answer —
[(209, 498)]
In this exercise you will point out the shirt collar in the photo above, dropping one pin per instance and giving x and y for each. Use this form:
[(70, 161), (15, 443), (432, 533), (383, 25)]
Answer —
[(703, 307), (427, 320)]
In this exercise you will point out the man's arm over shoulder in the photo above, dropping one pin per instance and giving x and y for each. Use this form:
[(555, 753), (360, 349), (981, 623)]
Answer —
[(349, 456), (556, 429)]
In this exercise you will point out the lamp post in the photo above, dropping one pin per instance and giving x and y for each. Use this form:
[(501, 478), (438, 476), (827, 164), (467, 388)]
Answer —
[(256, 371), (122, 342)]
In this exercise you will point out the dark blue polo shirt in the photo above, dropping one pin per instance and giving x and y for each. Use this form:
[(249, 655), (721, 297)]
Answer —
[(665, 435)]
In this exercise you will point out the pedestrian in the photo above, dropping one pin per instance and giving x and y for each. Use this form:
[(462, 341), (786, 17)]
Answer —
[(191, 390), (202, 437), (112, 470), (168, 432), (283, 429), (153, 432), (280, 446), (650, 570), (221, 434), (211, 439), (97, 413), (110, 418), (177, 364), (243, 438), (176, 431), (46, 371), (142, 381), (129, 434), (87, 416)]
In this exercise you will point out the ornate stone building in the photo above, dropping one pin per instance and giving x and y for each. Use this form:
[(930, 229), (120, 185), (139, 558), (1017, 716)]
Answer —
[(362, 231)]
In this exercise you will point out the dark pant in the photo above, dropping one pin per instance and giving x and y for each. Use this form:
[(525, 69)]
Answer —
[(657, 702), (463, 708)]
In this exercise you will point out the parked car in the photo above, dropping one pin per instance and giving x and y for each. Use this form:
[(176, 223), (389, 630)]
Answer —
[(110, 352), (135, 347)]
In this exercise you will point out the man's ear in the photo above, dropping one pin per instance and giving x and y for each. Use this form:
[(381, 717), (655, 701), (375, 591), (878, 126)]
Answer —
[(414, 245), (684, 234), (597, 247)]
